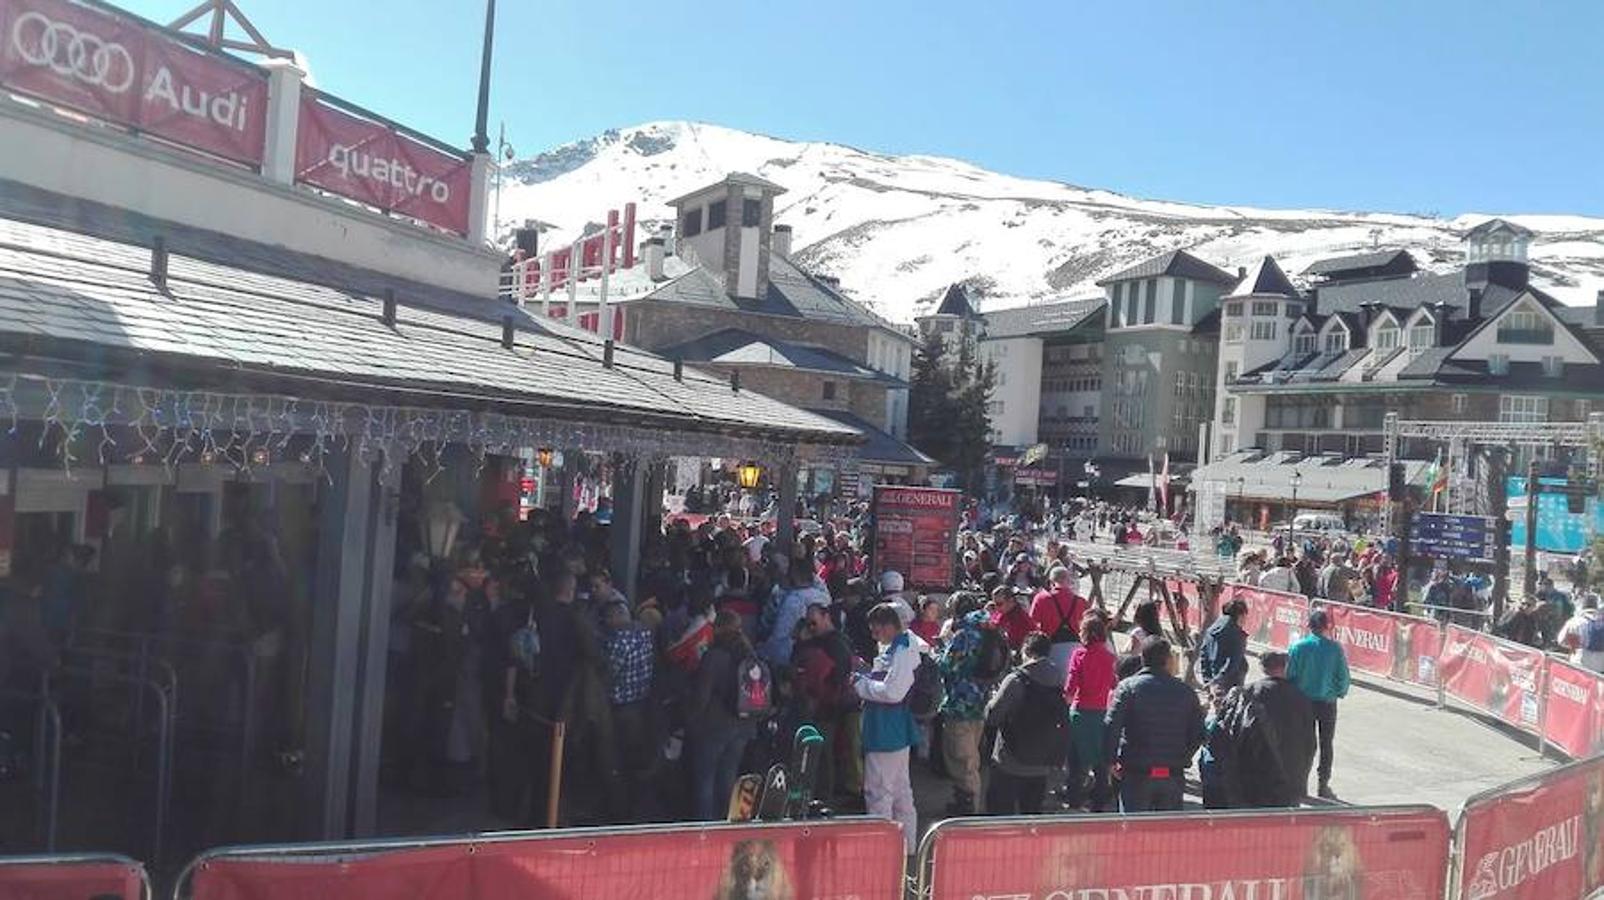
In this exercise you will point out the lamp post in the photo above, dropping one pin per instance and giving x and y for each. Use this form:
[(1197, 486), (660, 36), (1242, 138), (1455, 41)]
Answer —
[(1297, 479), (1241, 490), (441, 521), (747, 474)]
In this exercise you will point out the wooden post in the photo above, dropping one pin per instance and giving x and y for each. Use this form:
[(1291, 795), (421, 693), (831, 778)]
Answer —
[(554, 779)]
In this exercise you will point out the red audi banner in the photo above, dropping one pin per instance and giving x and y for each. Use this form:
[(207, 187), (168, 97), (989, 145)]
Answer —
[(835, 859), (1492, 675), (33, 878), (1274, 619), (1573, 709), (116, 67), (1540, 838), (1378, 854), (375, 163)]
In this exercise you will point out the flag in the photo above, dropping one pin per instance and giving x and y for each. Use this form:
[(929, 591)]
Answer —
[(1164, 485), (1435, 478)]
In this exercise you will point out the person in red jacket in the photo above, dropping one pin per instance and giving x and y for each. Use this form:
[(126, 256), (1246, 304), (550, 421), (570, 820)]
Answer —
[(1056, 611), (1009, 617), (1087, 687)]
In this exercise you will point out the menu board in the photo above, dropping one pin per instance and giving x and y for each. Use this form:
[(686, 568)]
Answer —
[(915, 533)]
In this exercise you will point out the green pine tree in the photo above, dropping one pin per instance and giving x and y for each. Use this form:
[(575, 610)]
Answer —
[(947, 401)]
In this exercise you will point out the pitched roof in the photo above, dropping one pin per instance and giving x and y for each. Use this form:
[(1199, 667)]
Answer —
[(956, 303), (1265, 277), (878, 446), (792, 293), (736, 347), (741, 178), (1178, 263), (75, 296), (1043, 318), (1377, 259), (1492, 225)]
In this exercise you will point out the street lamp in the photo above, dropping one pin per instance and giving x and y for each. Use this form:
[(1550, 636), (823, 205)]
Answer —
[(544, 457), (1297, 479), (747, 474), (1241, 490), (441, 521)]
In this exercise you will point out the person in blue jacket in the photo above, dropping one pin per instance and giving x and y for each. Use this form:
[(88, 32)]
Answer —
[(1320, 670), (889, 729)]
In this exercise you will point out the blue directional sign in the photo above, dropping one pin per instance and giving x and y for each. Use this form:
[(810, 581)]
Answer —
[(1558, 529), (1441, 536)]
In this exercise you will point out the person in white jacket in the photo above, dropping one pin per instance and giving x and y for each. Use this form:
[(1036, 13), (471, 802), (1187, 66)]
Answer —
[(889, 729), (1280, 577)]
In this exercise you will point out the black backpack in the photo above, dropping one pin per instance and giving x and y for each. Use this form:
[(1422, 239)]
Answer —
[(991, 655), (928, 691), (1037, 734)]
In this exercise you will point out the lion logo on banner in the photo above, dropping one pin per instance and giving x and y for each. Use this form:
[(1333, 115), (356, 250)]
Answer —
[(1484, 883), (1332, 869), (754, 872)]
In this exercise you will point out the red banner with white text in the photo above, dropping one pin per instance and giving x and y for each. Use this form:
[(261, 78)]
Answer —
[(1492, 675), (1573, 709), (71, 880), (914, 533), (377, 164), (1538, 839), (845, 858), (1274, 619), (1376, 854), (115, 67)]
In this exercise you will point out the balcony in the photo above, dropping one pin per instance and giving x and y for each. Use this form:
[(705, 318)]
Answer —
[(1526, 336)]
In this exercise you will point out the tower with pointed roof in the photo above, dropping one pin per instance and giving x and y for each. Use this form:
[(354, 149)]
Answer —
[(956, 320), (1256, 321)]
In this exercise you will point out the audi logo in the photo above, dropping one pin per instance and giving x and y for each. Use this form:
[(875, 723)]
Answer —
[(71, 53)]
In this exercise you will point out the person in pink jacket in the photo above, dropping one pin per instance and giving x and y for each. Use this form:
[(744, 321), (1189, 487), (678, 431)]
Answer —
[(1087, 687)]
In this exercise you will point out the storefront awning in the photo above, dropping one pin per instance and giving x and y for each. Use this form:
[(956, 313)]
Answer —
[(1254, 475)]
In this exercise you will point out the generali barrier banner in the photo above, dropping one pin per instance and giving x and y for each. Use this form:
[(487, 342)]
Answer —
[(115, 67), (1539, 839), (841, 859), (1573, 709), (71, 880), (379, 165), (1377, 642), (1376, 854), (1494, 676), (1274, 619)]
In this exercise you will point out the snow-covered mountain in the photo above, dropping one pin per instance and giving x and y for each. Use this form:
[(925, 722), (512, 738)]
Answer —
[(898, 229)]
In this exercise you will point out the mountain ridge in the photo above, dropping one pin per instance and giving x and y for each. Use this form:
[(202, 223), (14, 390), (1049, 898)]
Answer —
[(896, 230)]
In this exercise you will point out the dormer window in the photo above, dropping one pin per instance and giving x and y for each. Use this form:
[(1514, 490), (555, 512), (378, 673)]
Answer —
[(1525, 326), (1336, 341), (1422, 336), (1387, 337), (1304, 343)]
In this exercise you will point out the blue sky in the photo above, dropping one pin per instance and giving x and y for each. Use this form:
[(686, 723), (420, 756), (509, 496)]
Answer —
[(1417, 106)]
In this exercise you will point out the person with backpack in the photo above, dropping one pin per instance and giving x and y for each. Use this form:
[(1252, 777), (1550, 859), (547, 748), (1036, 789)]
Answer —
[(721, 713), (1223, 657), (889, 726), (1056, 611), (1009, 617), (971, 661), (821, 667), (1032, 723), (1273, 737), (1583, 635)]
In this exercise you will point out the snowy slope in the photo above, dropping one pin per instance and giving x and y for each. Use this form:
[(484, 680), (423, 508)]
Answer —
[(898, 229)]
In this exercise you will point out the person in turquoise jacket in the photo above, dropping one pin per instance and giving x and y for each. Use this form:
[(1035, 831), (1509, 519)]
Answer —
[(1319, 668), (889, 729)]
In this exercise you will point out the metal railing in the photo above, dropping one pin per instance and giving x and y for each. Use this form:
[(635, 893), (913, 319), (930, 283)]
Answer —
[(46, 763)]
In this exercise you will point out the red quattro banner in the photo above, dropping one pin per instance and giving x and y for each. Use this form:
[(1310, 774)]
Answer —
[(118, 68), (1536, 839), (71, 879), (377, 164), (1573, 709), (1274, 619), (1376, 854), (1494, 676), (848, 858)]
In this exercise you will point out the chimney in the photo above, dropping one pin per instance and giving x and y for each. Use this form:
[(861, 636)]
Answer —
[(653, 255), (1473, 305), (527, 238), (781, 242), (1598, 309), (158, 263), (1241, 272)]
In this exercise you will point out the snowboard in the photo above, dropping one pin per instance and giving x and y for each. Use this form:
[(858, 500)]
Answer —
[(774, 801), (744, 797), (806, 750)]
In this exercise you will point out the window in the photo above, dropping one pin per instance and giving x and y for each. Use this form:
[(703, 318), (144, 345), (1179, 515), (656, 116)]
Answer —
[(1461, 403), (1130, 304), (1116, 306), (1230, 372), (994, 407), (1554, 366), (1498, 364), (1233, 310), (1336, 341), (1150, 303), (751, 213), (692, 226), (829, 390), (1525, 326), (1582, 409), (1227, 443), (1421, 337), (1304, 343), (1522, 409), (1264, 307), (1002, 377), (1233, 333), (1178, 303), (1387, 337), (1263, 330), (715, 215)]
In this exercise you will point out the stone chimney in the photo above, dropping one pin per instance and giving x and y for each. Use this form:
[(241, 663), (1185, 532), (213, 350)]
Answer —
[(728, 228), (781, 241), (652, 253), (1598, 309)]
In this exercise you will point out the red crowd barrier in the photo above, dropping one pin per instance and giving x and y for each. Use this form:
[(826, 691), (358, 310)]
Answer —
[(860, 858), (1274, 619), (1387, 644), (1398, 853), (1573, 709), (72, 877), (1541, 838), (1494, 676)]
